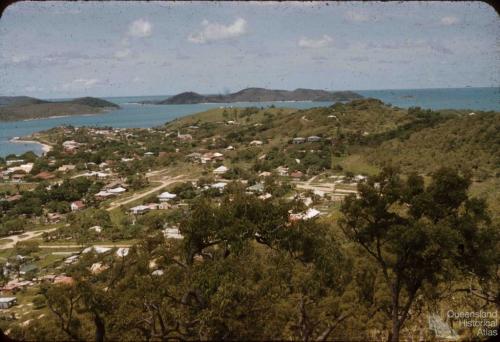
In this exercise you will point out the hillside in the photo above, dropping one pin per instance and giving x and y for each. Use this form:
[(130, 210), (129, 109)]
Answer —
[(262, 95), (464, 142), (19, 100), (24, 108)]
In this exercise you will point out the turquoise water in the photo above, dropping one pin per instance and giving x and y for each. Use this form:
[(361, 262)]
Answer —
[(136, 115)]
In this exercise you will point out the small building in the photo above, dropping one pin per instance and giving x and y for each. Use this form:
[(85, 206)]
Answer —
[(166, 196), (117, 190), (172, 233), (298, 140), (140, 209), (45, 175), (313, 138), (66, 168), (255, 143), (28, 268), (96, 229), (220, 186), (54, 217), (297, 174), (184, 137), (77, 205), (7, 302), (221, 170), (256, 188), (282, 171), (103, 195)]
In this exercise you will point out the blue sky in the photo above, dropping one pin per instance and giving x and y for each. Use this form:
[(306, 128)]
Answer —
[(69, 49)]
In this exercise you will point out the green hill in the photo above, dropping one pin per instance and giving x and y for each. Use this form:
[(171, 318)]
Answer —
[(464, 142), (24, 108)]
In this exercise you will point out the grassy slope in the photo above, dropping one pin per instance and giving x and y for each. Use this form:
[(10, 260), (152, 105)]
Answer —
[(461, 141), (465, 142)]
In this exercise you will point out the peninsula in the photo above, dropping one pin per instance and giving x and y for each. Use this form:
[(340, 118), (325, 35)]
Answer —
[(15, 108)]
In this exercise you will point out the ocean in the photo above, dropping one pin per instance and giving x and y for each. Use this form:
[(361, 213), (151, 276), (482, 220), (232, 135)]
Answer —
[(132, 114)]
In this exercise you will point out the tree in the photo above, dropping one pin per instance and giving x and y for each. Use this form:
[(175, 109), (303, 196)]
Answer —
[(418, 234)]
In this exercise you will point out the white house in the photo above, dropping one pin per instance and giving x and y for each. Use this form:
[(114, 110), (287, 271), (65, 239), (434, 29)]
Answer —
[(140, 209), (221, 170), (172, 233), (166, 196), (255, 143), (117, 190), (7, 302)]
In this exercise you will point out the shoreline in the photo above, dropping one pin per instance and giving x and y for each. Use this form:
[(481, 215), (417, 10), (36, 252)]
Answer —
[(45, 147)]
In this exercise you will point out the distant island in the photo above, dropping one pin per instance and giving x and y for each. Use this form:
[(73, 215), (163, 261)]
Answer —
[(15, 108), (261, 95)]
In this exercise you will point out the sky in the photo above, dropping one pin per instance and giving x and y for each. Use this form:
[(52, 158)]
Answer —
[(71, 49)]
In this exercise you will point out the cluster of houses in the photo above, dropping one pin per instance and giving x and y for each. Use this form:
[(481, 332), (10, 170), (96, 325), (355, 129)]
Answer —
[(164, 198), (301, 140), (205, 157)]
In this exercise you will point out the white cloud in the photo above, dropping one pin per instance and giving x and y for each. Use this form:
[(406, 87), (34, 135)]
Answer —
[(356, 16), (216, 31), (81, 83), (449, 20), (140, 28), (120, 54), (322, 42)]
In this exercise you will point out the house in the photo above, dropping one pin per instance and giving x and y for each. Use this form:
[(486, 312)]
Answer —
[(297, 174), (309, 214), (221, 186), (71, 259), (265, 174), (28, 268), (229, 148), (117, 190), (184, 137), (313, 138), (282, 171), (62, 279), (7, 302), (96, 229), (77, 205), (140, 209), (265, 196), (122, 251), (66, 168), (220, 170), (54, 217), (103, 195), (96, 249), (257, 188), (166, 196), (194, 157), (172, 233), (255, 143), (45, 175), (298, 140)]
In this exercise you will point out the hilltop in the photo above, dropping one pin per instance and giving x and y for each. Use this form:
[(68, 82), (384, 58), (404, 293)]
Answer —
[(23, 108), (262, 95)]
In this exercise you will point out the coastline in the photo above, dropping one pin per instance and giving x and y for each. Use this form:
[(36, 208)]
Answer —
[(45, 147)]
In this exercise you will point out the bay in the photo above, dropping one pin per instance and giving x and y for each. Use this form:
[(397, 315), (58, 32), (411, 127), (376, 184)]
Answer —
[(131, 114)]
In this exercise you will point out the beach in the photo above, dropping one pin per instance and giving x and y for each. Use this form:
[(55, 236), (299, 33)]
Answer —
[(45, 147)]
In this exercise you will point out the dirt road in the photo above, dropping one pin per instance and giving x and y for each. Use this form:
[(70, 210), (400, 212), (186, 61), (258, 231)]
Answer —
[(136, 196), (22, 237)]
